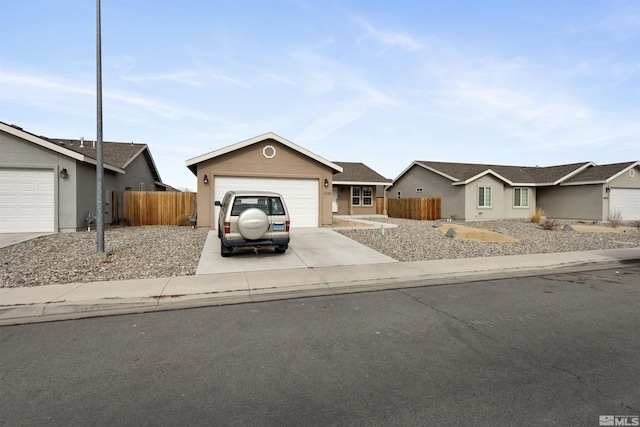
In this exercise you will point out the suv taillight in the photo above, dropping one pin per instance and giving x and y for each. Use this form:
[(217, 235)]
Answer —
[(287, 226), (227, 228)]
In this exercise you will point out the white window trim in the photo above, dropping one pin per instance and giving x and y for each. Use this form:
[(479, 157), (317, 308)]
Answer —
[(362, 203), (521, 206), (359, 196), (490, 205)]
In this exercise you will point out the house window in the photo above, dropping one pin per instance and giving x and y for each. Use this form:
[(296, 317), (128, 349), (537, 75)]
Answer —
[(141, 186), (355, 196), (151, 188), (367, 196), (484, 197), (521, 197), (419, 190), (362, 196)]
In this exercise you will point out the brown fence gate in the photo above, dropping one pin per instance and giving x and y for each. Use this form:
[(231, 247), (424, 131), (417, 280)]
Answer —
[(423, 209)]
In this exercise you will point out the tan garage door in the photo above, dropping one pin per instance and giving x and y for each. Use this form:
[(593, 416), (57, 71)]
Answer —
[(300, 195), (26, 200)]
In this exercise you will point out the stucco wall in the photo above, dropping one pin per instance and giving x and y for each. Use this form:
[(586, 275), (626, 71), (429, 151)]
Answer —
[(433, 186), (518, 212), (473, 211), (572, 201), (137, 174), (250, 161)]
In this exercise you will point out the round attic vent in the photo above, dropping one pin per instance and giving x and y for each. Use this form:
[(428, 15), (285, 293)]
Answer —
[(632, 173), (269, 151)]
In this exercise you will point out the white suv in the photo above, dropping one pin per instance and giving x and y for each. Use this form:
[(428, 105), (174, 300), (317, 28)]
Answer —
[(254, 219)]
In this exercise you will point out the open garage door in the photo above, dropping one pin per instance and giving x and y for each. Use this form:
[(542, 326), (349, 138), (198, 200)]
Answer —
[(27, 203), (627, 200), (300, 195)]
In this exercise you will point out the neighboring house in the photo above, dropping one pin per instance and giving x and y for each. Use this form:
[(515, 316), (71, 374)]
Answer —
[(266, 163), (356, 189), (574, 191), (49, 185)]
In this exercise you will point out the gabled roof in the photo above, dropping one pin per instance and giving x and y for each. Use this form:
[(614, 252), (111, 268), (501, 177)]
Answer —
[(600, 174), (118, 154), (464, 173), (358, 173), (192, 163)]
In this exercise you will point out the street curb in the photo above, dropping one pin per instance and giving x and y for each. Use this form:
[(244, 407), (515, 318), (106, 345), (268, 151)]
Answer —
[(57, 311)]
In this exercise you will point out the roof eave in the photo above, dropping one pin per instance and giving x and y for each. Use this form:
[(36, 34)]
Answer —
[(191, 163), (41, 142)]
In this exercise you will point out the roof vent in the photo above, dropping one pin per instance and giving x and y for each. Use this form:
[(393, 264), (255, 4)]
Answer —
[(82, 142)]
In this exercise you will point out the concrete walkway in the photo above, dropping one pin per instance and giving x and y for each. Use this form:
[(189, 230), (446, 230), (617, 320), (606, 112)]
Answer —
[(78, 300)]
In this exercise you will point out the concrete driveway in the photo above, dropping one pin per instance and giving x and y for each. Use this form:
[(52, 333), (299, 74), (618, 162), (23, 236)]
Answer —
[(8, 239), (309, 247)]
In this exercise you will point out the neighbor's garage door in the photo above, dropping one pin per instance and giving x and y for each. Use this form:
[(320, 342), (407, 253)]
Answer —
[(300, 195), (627, 200), (26, 200)]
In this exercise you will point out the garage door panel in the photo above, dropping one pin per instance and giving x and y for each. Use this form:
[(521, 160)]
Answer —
[(627, 201), (28, 200), (300, 195)]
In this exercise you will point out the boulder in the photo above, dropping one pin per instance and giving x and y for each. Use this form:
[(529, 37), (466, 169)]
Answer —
[(568, 227), (501, 230), (451, 233)]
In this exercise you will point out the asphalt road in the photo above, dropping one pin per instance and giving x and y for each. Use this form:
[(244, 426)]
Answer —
[(552, 350)]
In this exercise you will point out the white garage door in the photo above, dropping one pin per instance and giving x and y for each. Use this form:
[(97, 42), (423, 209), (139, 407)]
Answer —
[(628, 201), (300, 195), (26, 200)]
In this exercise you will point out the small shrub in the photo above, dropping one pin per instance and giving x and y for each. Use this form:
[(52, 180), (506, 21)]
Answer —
[(637, 224), (615, 218), (537, 216), (550, 224), (183, 220)]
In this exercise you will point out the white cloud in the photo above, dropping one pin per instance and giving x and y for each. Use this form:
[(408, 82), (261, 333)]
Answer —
[(389, 39)]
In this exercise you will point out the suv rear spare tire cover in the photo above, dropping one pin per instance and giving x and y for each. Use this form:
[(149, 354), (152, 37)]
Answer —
[(253, 224)]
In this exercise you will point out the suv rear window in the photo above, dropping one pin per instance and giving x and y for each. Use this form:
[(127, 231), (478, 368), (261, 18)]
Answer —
[(269, 205)]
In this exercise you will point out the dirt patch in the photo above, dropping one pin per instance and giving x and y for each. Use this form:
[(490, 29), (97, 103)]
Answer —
[(347, 223), (477, 234), (586, 228)]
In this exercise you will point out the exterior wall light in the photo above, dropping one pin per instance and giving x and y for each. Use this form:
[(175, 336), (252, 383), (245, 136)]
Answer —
[(206, 179), (326, 182), (64, 174)]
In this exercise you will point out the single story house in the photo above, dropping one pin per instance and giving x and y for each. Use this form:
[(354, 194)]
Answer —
[(356, 189), (49, 185), (583, 191), (267, 162)]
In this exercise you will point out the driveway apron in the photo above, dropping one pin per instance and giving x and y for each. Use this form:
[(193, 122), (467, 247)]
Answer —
[(309, 248)]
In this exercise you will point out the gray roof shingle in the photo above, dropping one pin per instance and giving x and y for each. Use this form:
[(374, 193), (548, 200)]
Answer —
[(358, 172), (516, 174)]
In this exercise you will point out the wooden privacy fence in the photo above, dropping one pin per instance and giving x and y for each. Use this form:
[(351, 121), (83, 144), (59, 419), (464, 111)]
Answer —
[(424, 209), (157, 207)]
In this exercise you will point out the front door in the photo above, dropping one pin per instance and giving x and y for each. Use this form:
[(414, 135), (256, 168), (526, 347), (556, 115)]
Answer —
[(334, 200)]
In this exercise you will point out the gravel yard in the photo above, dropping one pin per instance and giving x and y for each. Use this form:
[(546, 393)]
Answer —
[(420, 240), (162, 251), (134, 253)]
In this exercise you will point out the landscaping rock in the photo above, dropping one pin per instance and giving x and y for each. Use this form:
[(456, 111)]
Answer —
[(451, 233), (568, 227), (501, 230)]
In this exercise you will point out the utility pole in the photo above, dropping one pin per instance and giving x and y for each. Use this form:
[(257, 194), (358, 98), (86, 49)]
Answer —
[(99, 156)]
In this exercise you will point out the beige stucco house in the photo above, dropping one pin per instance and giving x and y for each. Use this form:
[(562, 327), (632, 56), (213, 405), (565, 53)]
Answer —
[(268, 163), (356, 189), (479, 192), (49, 185)]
